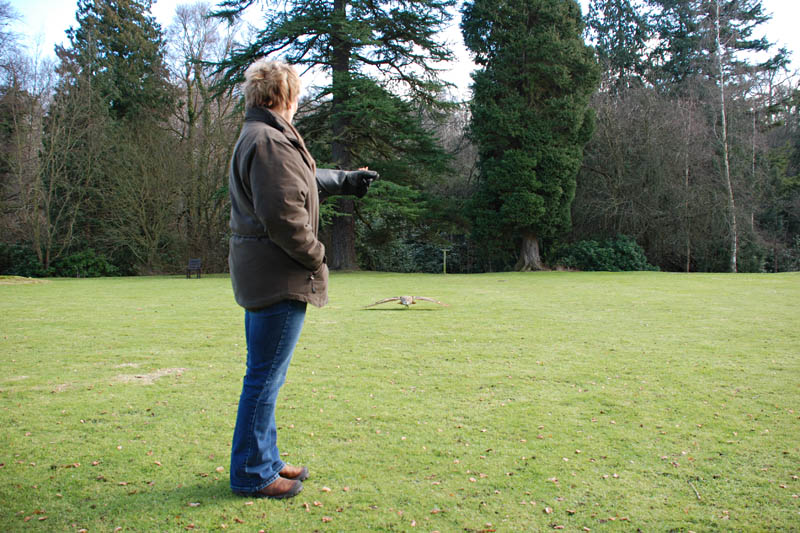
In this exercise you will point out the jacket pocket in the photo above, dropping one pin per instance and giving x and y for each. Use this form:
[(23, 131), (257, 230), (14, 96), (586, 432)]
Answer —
[(318, 276)]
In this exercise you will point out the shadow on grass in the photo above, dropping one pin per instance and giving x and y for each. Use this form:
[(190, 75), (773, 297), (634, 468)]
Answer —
[(200, 492)]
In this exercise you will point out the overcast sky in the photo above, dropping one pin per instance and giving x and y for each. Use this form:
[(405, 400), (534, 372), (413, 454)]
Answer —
[(45, 21)]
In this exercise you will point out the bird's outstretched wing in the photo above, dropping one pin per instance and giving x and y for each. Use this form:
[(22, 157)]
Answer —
[(393, 299), (430, 300)]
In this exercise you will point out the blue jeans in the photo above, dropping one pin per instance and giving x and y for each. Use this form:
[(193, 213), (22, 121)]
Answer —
[(271, 335)]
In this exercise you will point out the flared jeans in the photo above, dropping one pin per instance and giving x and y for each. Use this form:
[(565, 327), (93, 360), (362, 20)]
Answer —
[(271, 335)]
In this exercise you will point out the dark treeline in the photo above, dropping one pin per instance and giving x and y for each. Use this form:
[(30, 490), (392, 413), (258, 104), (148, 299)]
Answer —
[(649, 133)]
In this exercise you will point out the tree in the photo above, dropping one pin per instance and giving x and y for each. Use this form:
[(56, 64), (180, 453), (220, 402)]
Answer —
[(118, 45), (620, 31), (116, 57), (205, 125), (8, 39), (530, 119), (358, 44), (687, 39)]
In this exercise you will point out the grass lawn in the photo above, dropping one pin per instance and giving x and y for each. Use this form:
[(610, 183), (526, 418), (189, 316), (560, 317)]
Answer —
[(575, 401)]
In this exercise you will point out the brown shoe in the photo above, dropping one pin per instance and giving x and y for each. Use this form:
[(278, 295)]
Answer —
[(300, 473), (279, 489)]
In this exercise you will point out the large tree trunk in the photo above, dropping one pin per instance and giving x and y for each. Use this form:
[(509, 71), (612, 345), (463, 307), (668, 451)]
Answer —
[(340, 239), (529, 258), (341, 242)]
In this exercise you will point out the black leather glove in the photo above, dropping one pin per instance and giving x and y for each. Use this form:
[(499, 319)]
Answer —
[(356, 182)]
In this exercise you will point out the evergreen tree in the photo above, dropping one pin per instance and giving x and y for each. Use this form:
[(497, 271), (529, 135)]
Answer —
[(687, 43), (118, 46), (393, 44), (620, 30), (530, 119)]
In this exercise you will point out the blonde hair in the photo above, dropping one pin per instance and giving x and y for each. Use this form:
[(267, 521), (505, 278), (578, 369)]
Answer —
[(270, 84)]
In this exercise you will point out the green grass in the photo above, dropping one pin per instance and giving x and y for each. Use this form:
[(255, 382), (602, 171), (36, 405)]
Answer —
[(651, 401)]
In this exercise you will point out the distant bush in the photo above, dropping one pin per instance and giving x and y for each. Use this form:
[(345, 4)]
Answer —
[(619, 254), (84, 264), (20, 260)]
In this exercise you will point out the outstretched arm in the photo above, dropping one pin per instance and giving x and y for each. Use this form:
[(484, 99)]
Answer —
[(331, 182)]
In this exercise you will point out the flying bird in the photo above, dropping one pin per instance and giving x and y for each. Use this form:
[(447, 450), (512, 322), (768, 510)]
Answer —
[(406, 300)]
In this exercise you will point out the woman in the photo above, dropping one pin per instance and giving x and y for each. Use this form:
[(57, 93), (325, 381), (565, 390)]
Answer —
[(277, 264)]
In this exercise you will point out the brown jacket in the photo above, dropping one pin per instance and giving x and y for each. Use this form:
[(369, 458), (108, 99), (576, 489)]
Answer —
[(274, 250)]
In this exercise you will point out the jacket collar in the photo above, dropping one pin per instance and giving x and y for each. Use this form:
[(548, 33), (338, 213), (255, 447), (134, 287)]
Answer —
[(262, 114)]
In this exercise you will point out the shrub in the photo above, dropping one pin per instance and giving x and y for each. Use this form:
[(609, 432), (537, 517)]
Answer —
[(619, 254), (84, 264), (20, 260)]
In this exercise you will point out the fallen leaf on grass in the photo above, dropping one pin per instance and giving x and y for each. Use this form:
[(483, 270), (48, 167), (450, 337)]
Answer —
[(327, 519), (193, 504), (220, 469), (238, 520), (436, 510), (317, 504), (307, 507), (548, 510), (325, 489)]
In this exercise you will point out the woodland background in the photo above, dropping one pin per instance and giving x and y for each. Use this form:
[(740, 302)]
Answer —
[(643, 134)]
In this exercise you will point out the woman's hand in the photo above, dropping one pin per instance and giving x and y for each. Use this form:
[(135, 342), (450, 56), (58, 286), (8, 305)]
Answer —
[(357, 182)]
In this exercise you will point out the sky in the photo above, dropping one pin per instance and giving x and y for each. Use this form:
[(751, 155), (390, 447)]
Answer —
[(43, 23)]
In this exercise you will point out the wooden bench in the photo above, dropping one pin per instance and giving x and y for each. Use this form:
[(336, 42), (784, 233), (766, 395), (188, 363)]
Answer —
[(195, 265)]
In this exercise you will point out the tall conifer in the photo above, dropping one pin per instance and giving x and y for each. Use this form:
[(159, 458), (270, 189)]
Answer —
[(530, 119), (371, 52)]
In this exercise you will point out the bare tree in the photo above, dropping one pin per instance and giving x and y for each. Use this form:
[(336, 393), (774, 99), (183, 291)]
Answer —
[(206, 125), (44, 195), (141, 193)]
